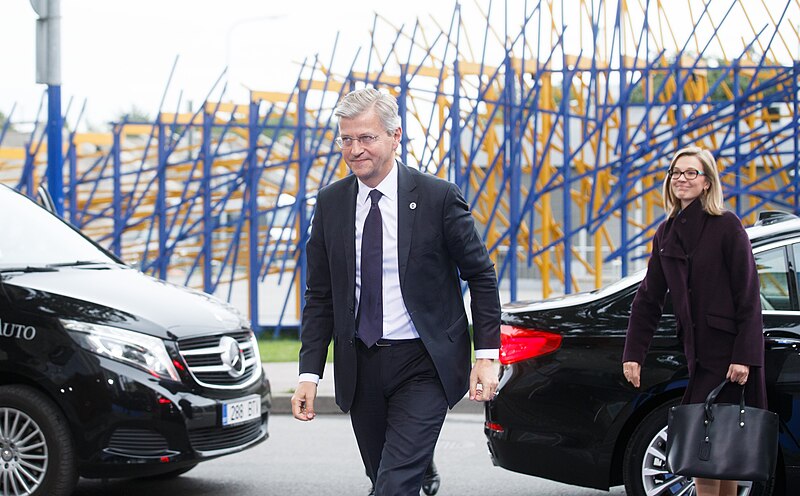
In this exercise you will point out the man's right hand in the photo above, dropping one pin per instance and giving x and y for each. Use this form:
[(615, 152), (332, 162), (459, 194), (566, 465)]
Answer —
[(303, 401)]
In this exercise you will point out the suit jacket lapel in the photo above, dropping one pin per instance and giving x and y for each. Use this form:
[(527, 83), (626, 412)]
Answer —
[(349, 240), (406, 213)]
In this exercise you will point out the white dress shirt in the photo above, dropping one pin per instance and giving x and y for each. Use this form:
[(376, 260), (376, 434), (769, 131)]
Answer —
[(397, 322)]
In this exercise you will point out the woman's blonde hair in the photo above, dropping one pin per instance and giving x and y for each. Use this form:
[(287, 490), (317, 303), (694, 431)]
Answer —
[(712, 200)]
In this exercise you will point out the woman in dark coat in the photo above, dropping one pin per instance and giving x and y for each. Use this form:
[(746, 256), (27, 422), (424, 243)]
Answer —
[(702, 255)]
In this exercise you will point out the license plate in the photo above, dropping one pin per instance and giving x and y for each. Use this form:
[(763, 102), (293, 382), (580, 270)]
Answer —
[(236, 412)]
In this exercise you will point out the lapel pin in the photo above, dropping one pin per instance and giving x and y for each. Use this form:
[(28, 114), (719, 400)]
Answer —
[(412, 205)]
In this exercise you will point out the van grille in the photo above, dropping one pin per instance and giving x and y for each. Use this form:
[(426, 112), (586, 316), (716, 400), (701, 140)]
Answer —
[(215, 438), (138, 443), (213, 361)]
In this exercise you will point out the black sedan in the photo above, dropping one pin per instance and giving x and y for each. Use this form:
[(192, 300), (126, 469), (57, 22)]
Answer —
[(565, 412)]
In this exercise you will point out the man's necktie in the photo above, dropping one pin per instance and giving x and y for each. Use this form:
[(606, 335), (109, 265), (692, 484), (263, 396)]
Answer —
[(370, 305)]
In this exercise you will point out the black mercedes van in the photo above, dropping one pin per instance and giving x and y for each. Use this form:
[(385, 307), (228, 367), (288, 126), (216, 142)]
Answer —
[(106, 372)]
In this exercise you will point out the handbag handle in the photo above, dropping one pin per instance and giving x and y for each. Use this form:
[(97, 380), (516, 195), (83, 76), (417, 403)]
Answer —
[(712, 396)]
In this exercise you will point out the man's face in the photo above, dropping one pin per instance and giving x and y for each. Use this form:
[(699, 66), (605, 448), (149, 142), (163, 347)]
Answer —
[(370, 163)]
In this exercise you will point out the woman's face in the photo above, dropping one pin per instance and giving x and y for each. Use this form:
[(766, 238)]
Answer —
[(686, 190)]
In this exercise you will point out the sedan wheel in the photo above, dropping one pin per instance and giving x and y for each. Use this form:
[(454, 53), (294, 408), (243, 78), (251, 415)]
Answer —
[(645, 465)]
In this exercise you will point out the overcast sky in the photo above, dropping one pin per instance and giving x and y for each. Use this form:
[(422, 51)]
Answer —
[(117, 54)]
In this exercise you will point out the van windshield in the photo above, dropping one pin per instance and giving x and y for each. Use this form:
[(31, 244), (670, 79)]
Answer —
[(30, 236)]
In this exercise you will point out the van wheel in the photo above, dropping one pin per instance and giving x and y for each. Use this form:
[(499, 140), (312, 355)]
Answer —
[(644, 468), (36, 450)]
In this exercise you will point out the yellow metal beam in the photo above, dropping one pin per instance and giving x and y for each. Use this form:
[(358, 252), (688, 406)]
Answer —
[(331, 86), (137, 129), (475, 68), (427, 71), (381, 78), (272, 96), (12, 153), (99, 139), (228, 107), (180, 118)]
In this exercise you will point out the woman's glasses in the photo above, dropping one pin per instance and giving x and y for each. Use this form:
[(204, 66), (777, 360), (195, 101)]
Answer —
[(689, 174)]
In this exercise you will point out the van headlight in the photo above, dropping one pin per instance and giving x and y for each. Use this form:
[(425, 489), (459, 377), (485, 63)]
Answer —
[(134, 348)]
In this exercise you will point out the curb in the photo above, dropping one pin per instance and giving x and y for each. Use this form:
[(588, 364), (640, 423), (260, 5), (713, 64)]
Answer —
[(281, 405)]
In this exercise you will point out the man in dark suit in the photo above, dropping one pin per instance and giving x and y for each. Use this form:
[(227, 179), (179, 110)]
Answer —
[(388, 245)]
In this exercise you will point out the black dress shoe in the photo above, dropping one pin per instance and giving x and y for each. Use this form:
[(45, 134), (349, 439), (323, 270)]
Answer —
[(431, 481)]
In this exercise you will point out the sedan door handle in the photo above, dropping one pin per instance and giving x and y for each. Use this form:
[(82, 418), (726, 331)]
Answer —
[(782, 340)]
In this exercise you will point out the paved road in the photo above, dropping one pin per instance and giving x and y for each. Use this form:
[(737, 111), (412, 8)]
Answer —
[(327, 448)]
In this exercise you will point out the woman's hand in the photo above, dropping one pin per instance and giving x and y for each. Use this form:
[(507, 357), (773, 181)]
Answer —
[(632, 371), (738, 373)]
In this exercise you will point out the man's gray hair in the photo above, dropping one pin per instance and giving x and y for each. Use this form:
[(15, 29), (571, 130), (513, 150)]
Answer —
[(357, 102)]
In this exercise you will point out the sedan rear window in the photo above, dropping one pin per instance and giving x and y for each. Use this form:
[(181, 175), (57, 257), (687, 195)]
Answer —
[(774, 279)]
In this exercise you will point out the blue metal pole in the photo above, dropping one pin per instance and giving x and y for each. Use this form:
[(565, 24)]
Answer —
[(796, 133), (161, 201), (737, 106), (401, 103), (55, 158), (622, 143), (512, 167), (455, 130), (252, 206), (566, 167), (304, 164), (72, 157), (208, 221), (116, 151)]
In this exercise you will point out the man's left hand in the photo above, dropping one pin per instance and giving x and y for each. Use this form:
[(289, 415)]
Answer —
[(484, 379)]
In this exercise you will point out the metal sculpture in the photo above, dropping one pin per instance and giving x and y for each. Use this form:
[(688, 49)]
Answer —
[(558, 130)]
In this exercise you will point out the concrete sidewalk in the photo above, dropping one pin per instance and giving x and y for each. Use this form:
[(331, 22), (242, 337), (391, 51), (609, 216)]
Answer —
[(283, 379)]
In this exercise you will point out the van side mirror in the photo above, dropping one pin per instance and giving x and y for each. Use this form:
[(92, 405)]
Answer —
[(44, 199)]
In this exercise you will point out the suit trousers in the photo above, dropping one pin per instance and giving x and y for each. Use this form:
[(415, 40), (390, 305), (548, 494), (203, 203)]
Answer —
[(397, 414)]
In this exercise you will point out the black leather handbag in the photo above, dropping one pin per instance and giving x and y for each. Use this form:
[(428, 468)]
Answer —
[(722, 441)]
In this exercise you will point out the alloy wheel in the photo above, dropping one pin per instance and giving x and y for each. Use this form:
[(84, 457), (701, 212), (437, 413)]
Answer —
[(23, 453)]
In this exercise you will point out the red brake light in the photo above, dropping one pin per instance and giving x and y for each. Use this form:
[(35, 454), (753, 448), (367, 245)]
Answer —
[(518, 344), (494, 426)]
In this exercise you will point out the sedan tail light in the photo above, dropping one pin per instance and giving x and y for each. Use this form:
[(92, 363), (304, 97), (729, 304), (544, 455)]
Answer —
[(494, 427), (517, 344)]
